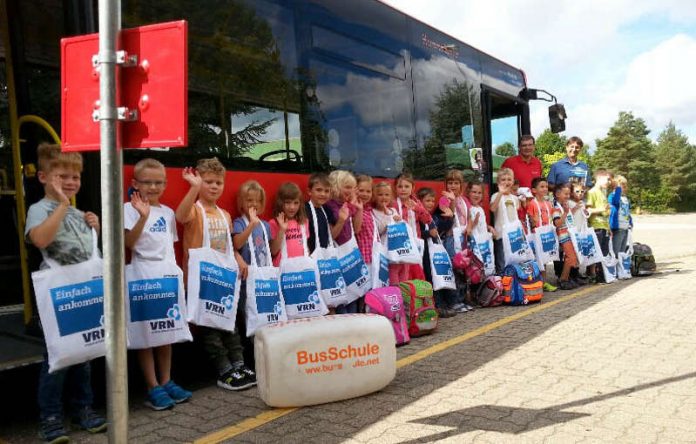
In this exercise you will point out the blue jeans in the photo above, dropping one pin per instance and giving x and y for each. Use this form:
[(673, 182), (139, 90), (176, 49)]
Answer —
[(619, 240), (76, 380)]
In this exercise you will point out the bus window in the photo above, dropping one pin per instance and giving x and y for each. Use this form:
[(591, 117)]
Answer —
[(504, 127), (361, 118), (274, 135)]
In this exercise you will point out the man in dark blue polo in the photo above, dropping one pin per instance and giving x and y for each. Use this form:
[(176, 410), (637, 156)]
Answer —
[(570, 169)]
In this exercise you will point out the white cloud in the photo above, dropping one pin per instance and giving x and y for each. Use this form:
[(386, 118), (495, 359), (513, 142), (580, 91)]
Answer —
[(597, 57)]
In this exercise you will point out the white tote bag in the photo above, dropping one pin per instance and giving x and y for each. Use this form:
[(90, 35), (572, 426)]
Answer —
[(402, 242), (623, 266), (515, 246), (356, 273), (545, 238), (482, 245), (213, 282), (299, 284), (332, 285), (379, 269), (70, 299), (586, 246), (264, 303), (155, 304), (609, 267), (441, 266)]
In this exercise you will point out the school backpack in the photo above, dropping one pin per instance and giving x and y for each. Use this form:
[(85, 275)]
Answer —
[(387, 302), (490, 293), (642, 261), (522, 283), (468, 264), (420, 307)]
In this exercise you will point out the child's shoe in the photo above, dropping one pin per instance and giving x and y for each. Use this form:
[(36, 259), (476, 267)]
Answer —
[(446, 312), (159, 399), (580, 281), (88, 419), (568, 285), (550, 288), (460, 308), (53, 430), (249, 374), (175, 392), (234, 379)]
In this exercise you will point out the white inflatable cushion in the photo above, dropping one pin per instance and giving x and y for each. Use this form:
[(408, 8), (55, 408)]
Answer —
[(324, 359)]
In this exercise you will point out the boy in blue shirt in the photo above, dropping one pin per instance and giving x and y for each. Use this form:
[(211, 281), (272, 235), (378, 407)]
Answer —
[(64, 234)]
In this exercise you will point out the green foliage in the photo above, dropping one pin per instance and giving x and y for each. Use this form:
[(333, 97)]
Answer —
[(626, 150), (549, 159), (550, 143), (676, 163), (506, 149)]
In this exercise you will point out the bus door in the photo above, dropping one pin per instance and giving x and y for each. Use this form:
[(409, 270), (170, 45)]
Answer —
[(504, 123)]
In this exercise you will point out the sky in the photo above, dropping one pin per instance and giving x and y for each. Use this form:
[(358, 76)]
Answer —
[(598, 57)]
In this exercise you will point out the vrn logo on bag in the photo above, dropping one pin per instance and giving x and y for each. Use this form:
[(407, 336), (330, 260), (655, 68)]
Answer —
[(79, 308), (518, 243), (268, 299), (300, 289), (586, 245), (217, 288), (397, 238), (443, 266), (484, 250), (330, 276), (354, 269), (155, 300), (548, 242)]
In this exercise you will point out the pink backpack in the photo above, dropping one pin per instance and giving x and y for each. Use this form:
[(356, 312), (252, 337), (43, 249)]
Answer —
[(490, 293), (387, 301), (469, 265)]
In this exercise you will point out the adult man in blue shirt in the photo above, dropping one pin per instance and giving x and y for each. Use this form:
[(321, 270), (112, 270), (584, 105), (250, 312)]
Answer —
[(570, 169)]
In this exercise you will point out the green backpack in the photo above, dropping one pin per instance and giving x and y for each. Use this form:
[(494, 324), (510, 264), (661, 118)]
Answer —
[(421, 313)]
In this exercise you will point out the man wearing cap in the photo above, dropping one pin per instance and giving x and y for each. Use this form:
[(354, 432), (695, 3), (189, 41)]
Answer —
[(525, 165)]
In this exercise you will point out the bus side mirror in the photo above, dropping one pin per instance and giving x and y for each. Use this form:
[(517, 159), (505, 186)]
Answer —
[(557, 116)]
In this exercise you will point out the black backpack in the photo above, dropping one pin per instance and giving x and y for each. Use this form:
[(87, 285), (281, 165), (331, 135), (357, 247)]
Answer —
[(642, 261)]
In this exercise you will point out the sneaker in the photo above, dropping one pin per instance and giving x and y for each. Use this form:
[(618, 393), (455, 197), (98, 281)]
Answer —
[(567, 285), (53, 430), (249, 374), (88, 419), (580, 281), (550, 288), (175, 392), (459, 308), (446, 312), (159, 399), (234, 379), (469, 307)]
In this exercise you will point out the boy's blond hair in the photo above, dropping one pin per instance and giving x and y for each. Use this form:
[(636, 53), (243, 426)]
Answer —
[(338, 179), (360, 178), (50, 156), (147, 164), (505, 172), (318, 178), (621, 180), (246, 188), (211, 165)]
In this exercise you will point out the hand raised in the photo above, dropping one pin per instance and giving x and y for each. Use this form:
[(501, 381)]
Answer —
[(447, 212), (141, 206), (282, 221), (55, 188), (450, 195), (191, 176), (343, 213)]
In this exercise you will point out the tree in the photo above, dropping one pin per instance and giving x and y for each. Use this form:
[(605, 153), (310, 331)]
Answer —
[(550, 143), (676, 163), (626, 150), (506, 149)]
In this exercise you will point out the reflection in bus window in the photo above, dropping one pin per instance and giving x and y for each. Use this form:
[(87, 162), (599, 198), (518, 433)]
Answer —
[(504, 139), (266, 132), (364, 115)]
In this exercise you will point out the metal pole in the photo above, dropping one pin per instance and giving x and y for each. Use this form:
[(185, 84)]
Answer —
[(112, 224)]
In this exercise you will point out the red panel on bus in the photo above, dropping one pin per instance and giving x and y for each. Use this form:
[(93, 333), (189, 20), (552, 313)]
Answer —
[(156, 88)]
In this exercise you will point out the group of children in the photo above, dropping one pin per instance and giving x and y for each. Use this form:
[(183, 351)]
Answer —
[(339, 206)]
